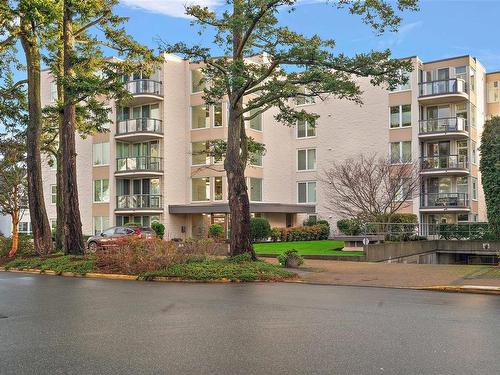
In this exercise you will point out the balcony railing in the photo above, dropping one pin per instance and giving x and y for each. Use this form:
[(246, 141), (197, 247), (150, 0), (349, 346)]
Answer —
[(144, 86), (443, 86), (444, 200), (445, 124), (139, 163), (138, 201), (139, 125), (444, 162)]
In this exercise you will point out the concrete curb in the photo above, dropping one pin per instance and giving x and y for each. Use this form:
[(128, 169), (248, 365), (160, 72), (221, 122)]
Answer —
[(477, 289)]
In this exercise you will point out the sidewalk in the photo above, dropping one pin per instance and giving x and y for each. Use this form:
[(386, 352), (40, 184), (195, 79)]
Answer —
[(397, 274)]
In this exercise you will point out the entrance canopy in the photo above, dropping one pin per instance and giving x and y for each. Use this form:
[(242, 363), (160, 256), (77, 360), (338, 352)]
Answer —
[(254, 207)]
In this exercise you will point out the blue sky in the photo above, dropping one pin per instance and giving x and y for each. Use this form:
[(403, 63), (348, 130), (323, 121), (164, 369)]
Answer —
[(442, 28)]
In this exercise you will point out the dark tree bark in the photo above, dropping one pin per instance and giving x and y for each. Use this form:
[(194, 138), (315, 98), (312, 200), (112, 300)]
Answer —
[(73, 237), (39, 222)]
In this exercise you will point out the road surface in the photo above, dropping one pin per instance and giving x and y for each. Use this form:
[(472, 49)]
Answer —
[(57, 325)]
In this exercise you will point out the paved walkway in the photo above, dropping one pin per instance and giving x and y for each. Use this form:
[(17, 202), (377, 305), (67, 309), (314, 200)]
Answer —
[(396, 274)]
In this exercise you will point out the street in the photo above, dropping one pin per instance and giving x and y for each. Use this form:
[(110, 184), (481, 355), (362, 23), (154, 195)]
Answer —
[(61, 325)]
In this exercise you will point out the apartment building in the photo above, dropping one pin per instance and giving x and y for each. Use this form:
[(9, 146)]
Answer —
[(152, 163)]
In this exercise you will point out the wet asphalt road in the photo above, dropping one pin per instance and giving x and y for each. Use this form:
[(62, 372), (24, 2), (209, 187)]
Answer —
[(56, 325)]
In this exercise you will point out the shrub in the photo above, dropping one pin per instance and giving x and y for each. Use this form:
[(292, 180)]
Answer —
[(215, 231), (311, 220), (25, 248), (466, 231), (259, 229), (241, 258), (159, 229), (275, 234), (306, 233), (323, 222), (350, 227), (290, 258)]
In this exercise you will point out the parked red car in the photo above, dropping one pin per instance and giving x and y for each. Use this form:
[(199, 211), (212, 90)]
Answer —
[(117, 235)]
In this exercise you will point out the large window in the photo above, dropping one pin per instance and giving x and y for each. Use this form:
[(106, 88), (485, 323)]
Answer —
[(101, 190), (306, 192), (493, 92), (255, 189), (200, 189), (255, 122), (400, 152), (401, 116), (200, 116), (305, 130), (100, 153), (306, 159), (53, 194), (200, 155), (197, 82), (101, 223), (462, 185), (404, 86)]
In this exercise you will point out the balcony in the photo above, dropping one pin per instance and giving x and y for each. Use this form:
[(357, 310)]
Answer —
[(444, 202), (443, 91), (143, 202), (140, 165), (444, 127), (445, 164), (139, 128), (144, 90)]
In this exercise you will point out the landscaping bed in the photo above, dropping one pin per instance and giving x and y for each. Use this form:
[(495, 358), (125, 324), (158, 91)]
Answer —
[(322, 247)]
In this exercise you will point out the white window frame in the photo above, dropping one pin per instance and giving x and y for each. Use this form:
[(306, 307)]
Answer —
[(474, 189), (53, 194), (400, 122), (209, 190), (212, 186), (309, 100), (473, 152), (307, 127), (249, 184), (400, 161), (101, 222), (493, 90), (98, 148), (307, 191), (400, 87), (307, 159), (191, 81), (105, 199), (209, 117)]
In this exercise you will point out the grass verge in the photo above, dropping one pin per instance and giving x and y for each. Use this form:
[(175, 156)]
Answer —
[(205, 270), (325, 247)]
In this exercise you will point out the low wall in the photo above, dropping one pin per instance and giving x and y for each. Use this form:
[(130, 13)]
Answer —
[(394, 250), (345, 258)]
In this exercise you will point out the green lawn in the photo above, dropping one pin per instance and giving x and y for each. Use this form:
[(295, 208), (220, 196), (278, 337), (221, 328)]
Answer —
[(327, 247)]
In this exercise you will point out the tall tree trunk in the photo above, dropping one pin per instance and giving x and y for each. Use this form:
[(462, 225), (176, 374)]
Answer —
[(73, 237), (59, 173), (38, 215), (15, 233)]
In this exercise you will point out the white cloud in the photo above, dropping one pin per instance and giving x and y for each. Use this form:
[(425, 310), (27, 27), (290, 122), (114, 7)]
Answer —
[(174, 8)]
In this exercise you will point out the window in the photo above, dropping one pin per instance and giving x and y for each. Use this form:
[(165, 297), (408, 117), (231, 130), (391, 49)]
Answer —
[(473, 152), (218, 194), (197, 81), (462, 151), (401, 152), (101, 190), (24, 227), (53, 194), (306, 159), (53, 224), (462, 185), (472, 80), (404, 86), (199, 153), (306, 192), (305, 130), (200, 189), (200, 117), (53, 92), (401, 116), (255, 189), (474, 188), (493, 92), (463, 218), (304, 100), (100, 153), (256, 122), (256, 159), (404, 190), (461, 73), (217, 115), (101, 223), (473, 115)]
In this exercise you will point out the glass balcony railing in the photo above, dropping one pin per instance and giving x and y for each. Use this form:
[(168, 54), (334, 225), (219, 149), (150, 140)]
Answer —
[(442, 87), (139, 125), (139, 163), (445, 124), (444, 162), (144, 86), (138, 201), (444, 200)]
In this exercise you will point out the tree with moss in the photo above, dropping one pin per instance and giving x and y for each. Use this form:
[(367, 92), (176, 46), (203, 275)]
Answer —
[(268, 65), (490, 171)]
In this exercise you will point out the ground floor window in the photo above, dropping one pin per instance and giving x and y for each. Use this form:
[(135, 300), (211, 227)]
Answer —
[(144, 221), (24, 227), (101, 223)]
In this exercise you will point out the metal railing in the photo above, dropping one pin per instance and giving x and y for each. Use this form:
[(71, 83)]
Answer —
[(444, 124), (444, 162), (144, 86), (137, 125), (139, 163), (444, 200), (139, 201), (442, 86)]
